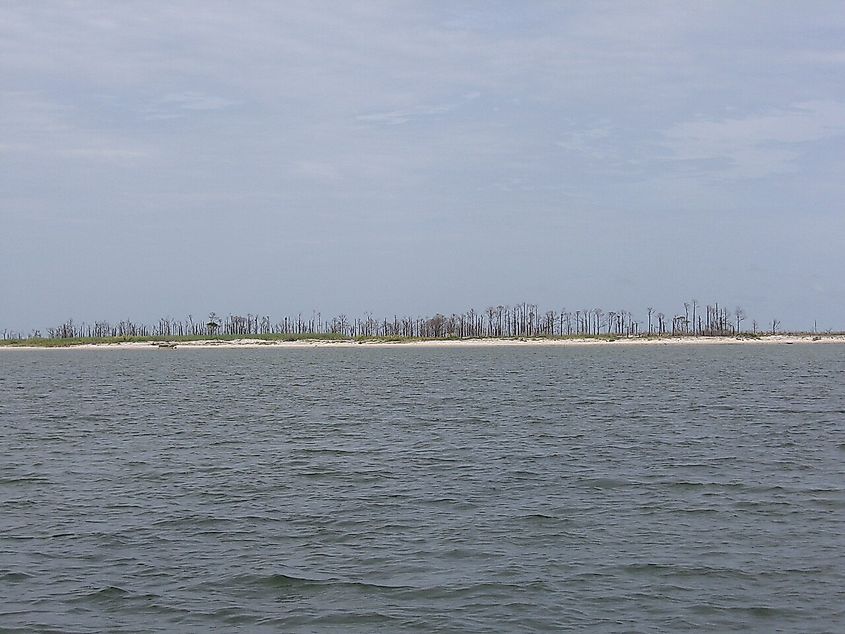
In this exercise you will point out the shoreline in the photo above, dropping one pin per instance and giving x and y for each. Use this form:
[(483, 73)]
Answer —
[(248, 343)]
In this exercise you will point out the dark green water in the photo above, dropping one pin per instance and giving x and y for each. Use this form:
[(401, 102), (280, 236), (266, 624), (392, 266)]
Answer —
[(487, 490)]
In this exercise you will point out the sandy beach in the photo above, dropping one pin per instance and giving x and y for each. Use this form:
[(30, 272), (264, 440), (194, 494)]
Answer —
[(247, 343)]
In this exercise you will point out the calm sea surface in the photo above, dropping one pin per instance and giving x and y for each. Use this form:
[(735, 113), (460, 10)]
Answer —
[(600, 489)]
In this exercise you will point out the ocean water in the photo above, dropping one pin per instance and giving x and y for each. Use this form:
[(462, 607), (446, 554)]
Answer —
[(589, 489)]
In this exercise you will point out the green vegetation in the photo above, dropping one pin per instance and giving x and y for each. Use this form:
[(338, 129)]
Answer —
[(390, 339), (750, 335), (58, 342)]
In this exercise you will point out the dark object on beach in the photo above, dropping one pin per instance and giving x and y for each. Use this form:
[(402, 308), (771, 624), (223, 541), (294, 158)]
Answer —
[(166, 345)]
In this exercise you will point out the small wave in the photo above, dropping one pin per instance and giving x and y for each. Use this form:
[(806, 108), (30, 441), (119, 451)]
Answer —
[(525, 474), (766, 506), (13, 576), (326, 474), (24, 480), (487, 589), (338, 621), (107, 593), (330, 452), (287, 581), (19, 502), (668, 570), (698, 511), (827, 503), (606, 483), (757, 611), (280, 580), (543, 520), (538, 516), (688, 485)]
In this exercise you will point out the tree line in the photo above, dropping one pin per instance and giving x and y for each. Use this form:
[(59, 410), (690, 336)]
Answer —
[(518, 320)]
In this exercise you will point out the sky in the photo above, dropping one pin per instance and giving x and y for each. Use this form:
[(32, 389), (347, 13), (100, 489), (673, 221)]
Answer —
[(164, 159)]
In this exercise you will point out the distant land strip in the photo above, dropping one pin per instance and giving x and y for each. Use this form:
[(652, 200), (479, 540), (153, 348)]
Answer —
[(318, 341), (504, 323)]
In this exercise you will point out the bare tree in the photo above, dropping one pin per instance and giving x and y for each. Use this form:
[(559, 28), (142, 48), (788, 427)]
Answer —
[(519, 320), (694, 304), (740, 317)]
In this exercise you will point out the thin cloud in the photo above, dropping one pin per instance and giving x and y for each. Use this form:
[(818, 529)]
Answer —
[(400, 116), (755, 146), (43, 128), (103, 153), (181, 104)]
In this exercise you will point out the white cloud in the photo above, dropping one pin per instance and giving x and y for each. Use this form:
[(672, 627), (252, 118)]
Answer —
[(316, 171), (180, 104), (592, 142), (398, 117), (758, 145), (830, 56), (37, 126), (103, 153)]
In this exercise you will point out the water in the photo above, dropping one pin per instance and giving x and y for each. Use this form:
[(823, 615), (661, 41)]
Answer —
[(596, 489)]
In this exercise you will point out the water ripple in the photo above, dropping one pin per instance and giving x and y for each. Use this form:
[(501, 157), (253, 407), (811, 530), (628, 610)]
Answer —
[(483, 490)]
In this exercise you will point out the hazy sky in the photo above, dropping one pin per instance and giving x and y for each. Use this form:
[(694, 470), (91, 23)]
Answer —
[(166, 158)]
